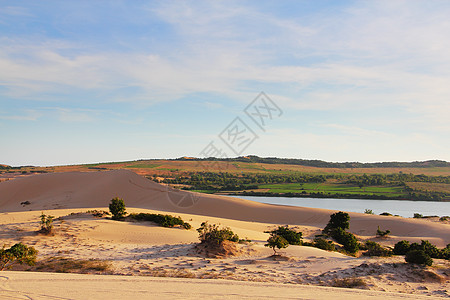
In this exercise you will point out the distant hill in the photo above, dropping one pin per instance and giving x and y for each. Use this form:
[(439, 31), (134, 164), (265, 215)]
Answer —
[(325, 164)]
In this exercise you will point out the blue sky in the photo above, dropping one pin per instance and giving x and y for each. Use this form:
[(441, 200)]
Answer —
[(94, 81)]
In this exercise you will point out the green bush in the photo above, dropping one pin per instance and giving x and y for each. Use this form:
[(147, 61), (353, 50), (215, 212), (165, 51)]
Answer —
[(339, 220), (418, 257), (323, 244), (385, 214), (163, 220), (375, 249), (368, 211), (347, 239), (418, 216), (117, 208), (291, 236), (276, 241), (46, 224), (402, 247), (382, 233), (19, 253), (213, 234)]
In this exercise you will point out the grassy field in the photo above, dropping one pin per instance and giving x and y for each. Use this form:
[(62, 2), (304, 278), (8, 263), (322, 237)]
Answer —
[(334, 188)]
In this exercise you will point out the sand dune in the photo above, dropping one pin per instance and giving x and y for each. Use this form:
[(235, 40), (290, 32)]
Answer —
[(95, 189)]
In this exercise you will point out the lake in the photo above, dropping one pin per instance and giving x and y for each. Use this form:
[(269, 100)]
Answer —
[(403, 208)]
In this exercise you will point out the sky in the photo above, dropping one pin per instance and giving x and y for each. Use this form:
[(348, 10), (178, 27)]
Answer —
[(99, 81)]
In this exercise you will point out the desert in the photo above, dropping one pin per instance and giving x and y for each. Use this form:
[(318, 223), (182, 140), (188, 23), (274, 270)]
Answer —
[(142, 256)]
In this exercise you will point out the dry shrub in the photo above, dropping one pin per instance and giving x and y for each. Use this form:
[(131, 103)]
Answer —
[(68, 265), (218, 250), (349, 282)]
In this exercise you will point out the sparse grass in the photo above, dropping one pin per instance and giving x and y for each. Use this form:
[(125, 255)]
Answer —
[(349, 282), (69, 265)]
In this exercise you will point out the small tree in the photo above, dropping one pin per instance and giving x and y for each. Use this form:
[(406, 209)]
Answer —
[(291, 236), (337, 220), (19, 253), (276, 241), (46, 224), (117, 208)]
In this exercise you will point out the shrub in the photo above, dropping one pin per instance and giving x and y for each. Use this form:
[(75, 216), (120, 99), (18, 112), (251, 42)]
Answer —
[(444, 218), (430, 249), (368, 211), (276, 241), (163, 220), (339, 220), (381, 233), (46, 224), (347, 239), (418, 257), (418, 216), (212, 234), (323, 244), (402, 247), (117, 208), (348, 282), (291, 236), (19, 253), (385, 214), (375, 249)]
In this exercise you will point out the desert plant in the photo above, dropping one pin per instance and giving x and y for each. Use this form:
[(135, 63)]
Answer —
[(163, 220), (46, 223), (418, 257), (323, 244), (382, 233), (291, 236), (375, 249), (418, 216), (19, 253), (213, 234), (276, 241), (402, 247), (347, 239), (117, 208), (337, 220), (368, 211), (349, 282), (385, 214)]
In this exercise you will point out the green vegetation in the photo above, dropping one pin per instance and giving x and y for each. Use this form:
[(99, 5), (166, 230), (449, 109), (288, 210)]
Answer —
[(163, 220), (117, 208), (46, 224), (17, 254), (404, 247), (339, 220), (368, 211), (324, 244), (276, 241), (212, 234), (375, 249), (336, 227), (291, 236), (295, 184), (418, 257), (382, 233)]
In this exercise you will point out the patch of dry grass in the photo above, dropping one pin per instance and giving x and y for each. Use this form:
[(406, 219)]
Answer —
[(68, 265)]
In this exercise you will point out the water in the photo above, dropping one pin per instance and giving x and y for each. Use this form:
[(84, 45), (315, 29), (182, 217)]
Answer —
[(403, 208)]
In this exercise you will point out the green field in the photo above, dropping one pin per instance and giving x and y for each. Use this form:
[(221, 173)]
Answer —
[(334, 188)]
